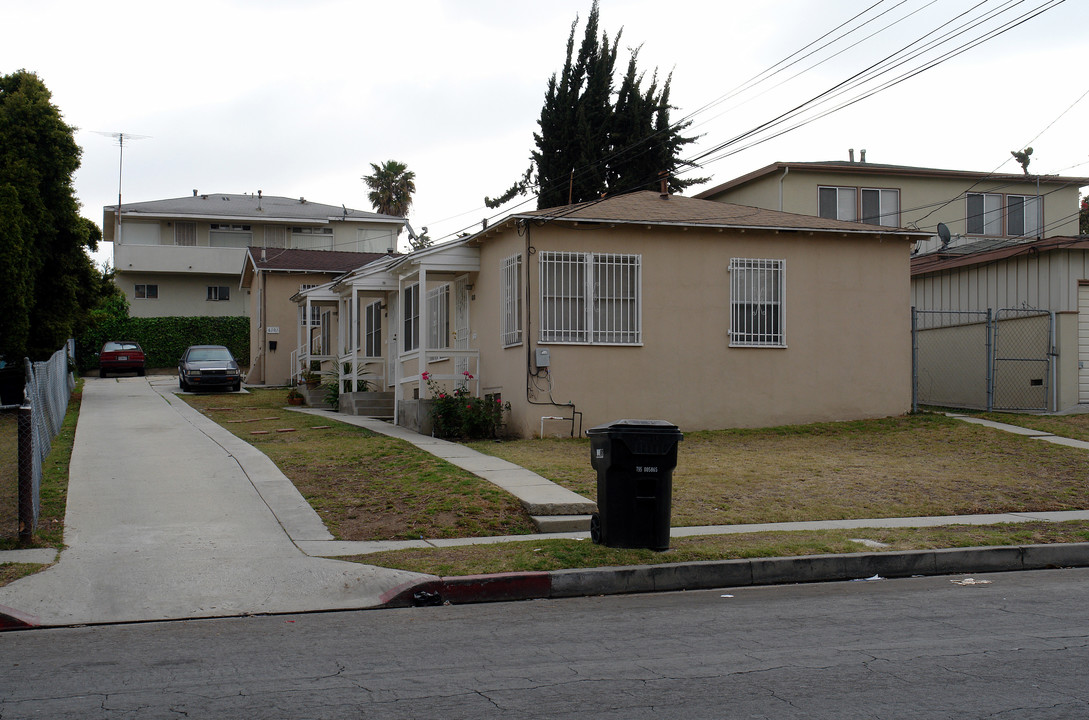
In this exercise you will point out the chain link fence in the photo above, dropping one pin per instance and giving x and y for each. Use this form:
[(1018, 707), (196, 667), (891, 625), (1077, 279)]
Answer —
[(983, 360), (26, 437)]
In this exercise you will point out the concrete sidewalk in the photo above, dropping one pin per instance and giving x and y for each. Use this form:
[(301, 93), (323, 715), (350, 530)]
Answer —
[(170, 516)]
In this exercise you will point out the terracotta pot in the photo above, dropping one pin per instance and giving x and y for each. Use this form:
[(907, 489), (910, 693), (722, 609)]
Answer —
[(294, 401)]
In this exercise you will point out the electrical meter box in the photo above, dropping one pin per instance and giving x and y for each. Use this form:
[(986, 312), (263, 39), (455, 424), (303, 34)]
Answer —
[(543, 359)]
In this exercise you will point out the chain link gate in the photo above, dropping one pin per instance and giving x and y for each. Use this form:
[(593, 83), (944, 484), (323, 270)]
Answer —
[(982, 360)]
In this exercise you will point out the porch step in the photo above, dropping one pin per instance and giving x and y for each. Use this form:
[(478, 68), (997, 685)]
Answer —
[(368, 404), (561, 523)]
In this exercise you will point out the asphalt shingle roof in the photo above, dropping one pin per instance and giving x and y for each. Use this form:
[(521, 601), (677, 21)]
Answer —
[(310, 260), (651, 208), (251, 207)]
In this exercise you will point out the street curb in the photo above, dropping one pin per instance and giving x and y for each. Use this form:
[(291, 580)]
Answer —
[(12, 619), (711, 574)]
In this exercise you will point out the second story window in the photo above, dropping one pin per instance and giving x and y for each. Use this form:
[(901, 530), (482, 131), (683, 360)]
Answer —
[(880, 206), (1023, 216), (984, 214), (230, 236), (185, 233)]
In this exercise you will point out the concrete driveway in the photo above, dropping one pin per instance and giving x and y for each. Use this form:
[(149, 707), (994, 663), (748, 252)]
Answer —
[(170, 516)]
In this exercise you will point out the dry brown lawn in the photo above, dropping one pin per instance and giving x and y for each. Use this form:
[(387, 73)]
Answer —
[(897, 467), (366, 486)]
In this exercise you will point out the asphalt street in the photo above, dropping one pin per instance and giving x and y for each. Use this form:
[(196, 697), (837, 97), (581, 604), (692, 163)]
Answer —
[(1003, 645)]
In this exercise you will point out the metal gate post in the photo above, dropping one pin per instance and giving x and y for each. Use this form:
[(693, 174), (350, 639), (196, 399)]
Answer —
[(990, 360), (914, 360)]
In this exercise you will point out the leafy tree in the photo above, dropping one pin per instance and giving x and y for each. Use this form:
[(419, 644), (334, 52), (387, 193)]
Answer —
[(392, 185), (594, 139), (49, 278)]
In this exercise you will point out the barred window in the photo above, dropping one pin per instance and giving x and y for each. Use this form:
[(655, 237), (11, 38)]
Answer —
[(757, 295), (412, 317), (510, 302), (591, 298), (373, 330), (438, 317)]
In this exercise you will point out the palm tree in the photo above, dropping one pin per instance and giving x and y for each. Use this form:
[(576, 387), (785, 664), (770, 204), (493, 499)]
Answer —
[(392, 185)]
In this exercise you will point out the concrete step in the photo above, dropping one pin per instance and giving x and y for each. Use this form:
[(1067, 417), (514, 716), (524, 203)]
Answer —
[(561, 523)]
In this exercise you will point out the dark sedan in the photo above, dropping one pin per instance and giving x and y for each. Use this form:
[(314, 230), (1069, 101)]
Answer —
[(118, 356), (208, 366)]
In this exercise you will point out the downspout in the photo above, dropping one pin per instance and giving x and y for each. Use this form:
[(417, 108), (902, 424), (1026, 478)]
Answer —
[(781, 179)]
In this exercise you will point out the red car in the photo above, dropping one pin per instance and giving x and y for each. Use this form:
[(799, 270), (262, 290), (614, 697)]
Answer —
[(118, 356)]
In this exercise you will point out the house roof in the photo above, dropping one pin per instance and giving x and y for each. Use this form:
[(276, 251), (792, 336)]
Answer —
[(243, 208), (868, 168), (309, 261), (651, 208), (988, 251)]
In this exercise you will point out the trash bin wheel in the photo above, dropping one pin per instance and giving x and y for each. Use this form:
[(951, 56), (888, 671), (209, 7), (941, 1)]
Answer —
[(595, 528)]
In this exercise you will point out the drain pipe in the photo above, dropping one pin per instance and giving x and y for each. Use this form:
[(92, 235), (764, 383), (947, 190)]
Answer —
[(781, 179)]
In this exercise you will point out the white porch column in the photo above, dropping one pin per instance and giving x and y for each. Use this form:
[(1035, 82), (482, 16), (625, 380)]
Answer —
[(423, 329), (354, 334)]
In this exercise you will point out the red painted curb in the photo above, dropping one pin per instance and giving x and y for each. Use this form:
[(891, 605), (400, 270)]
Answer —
[(12, 619), (500, 587)]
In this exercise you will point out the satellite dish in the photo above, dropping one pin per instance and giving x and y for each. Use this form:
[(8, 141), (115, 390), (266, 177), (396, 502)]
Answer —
[(943, 233)]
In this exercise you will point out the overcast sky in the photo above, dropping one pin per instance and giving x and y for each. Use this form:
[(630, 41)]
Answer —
[(298, 97)]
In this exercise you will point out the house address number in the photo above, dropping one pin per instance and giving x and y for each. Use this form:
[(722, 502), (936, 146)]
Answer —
[(273, 330)]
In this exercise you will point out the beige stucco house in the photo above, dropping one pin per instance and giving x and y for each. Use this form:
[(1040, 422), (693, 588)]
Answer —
[(182, 256), (706, 314), (974, 206), (270, 278)]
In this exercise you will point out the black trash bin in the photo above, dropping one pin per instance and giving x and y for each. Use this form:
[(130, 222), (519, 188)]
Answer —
[(634, 460)]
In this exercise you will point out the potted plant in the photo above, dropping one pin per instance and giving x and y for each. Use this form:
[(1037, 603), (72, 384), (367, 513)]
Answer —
[(294, 397), (310, 375)]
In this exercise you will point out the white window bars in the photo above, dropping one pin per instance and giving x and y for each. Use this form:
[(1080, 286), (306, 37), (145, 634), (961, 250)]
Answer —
[(591, 298), (757, 302)]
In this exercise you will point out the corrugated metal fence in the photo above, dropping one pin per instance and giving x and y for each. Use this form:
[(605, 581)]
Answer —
[(983, 360)]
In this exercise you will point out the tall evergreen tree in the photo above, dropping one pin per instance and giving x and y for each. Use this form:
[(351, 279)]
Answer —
[(595, 140), (43, 239)]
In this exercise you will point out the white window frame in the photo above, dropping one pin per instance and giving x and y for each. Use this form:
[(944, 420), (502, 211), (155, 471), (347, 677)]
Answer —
[(591, 298), (757, 303), (846, 203), (146, 291), (438, 320), (228, 235), (372, 331), (510, 302), (412, 317), (312, 238), (888, 207), (987, 221), (1031, 224), (185, 234)]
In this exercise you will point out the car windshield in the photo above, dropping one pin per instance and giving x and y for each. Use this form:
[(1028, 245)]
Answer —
[(114, 346), (209, 355)]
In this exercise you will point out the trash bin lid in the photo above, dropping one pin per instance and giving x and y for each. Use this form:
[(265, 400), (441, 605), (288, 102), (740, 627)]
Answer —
[(634, 426)]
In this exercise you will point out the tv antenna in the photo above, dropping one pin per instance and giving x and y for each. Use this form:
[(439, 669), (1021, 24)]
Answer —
[(121, 137)]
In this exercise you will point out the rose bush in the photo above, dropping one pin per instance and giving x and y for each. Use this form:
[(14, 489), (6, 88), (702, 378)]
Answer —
[(460, 415)]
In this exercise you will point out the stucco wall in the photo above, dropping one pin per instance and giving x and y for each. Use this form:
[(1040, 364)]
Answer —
[(182, 295), (847, 330)]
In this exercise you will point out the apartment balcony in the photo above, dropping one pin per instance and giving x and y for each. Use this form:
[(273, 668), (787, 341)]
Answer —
[(178, 259)]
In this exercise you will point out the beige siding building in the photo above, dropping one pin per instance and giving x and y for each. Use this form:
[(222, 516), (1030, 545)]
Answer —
[(183, 256), (972, 205)]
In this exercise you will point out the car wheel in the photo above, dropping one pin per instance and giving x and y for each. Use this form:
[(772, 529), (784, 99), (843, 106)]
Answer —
[(103, 373), (183, 385), (141, 372), (237, 386)]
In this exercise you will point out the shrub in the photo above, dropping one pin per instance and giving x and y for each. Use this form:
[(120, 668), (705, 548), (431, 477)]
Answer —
[(460, 415)]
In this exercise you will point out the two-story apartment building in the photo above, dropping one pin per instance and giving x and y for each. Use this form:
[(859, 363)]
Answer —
[(183, 256), (973, 206)]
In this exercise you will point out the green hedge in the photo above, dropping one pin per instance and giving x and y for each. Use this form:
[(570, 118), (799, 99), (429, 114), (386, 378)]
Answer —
[(165, 339)]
